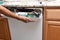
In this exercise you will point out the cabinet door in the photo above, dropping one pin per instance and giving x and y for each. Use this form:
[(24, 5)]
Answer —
[(52, 30), (4, 29), (51, 24)]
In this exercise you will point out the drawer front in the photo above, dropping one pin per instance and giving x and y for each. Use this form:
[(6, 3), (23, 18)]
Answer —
[(54, 22), (53, 14)]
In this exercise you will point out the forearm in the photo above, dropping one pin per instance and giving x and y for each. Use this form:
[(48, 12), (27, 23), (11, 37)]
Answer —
[(7, 12)]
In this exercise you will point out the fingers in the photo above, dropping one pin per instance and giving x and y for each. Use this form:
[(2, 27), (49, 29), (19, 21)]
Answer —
[(25, 19), (28, 20)]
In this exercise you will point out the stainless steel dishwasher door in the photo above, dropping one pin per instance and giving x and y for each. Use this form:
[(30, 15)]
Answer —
[(26, 31)]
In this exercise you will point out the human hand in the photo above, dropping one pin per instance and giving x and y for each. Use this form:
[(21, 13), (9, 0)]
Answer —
[(26, 19)]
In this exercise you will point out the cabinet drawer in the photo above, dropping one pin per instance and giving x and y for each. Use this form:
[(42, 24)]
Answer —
[(54, 22), (53, 14)]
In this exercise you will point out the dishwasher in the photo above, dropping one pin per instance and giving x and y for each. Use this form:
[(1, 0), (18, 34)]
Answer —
[(26, 31)]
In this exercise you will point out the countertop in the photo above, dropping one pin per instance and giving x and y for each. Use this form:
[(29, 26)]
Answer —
[(23, 4), (52, 3), (32, 4)]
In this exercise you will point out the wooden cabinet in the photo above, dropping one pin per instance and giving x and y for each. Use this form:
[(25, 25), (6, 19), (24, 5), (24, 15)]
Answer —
[(51, 24), (4, 29)]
